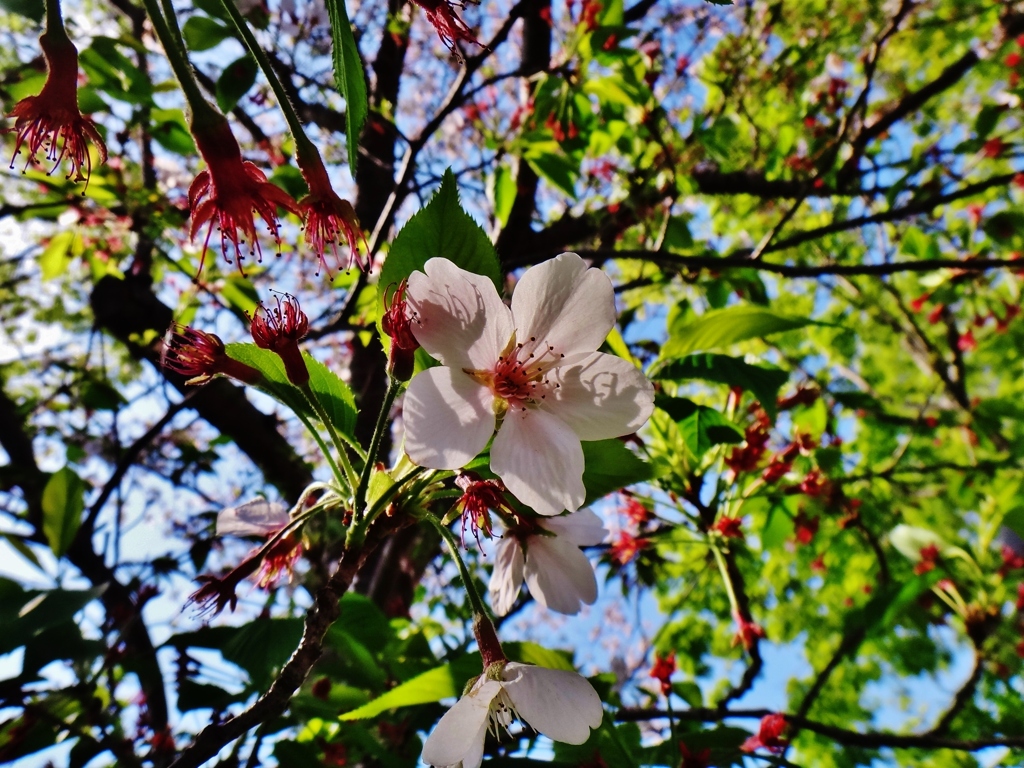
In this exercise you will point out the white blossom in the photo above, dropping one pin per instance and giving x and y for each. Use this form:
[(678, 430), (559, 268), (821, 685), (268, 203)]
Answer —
[(532, 371), (560, 705), (559, 575)]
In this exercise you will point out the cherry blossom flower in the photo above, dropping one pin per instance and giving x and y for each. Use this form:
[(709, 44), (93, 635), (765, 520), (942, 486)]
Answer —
[(201, 356), (546, 554), (229, 192), (51, 119), (532, 370), (769, 735), (558, 704)]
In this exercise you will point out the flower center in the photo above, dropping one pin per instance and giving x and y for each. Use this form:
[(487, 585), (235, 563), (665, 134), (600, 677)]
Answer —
[(518, 376), (502, 713)]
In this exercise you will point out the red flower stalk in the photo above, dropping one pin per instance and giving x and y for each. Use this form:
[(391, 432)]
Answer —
[(478, 498), (450, 28), (201, 356), (229, 193), (769, 735), (51, 120), (327, 217), (748, 632), (729, 527), (280, 330), (663, 669), (397, 324)]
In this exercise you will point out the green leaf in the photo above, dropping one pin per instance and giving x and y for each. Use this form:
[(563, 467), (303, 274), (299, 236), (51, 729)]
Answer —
[(610, 466), (260, 647), (444, 682), (1014, 520), (63, 502), (333, 393), (235, 81), (556, 168), (504, 186), (349, 77), (193, 695), (171, 131), (763, 381), (31, 9), (722, 327), (26, 614), (202, 33), (441, 228), (54, 259), (705, 428)]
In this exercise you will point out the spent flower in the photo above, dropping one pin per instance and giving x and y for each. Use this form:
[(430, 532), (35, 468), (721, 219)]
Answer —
[(280, 330), (51, 120), (229, 192), (201, 356)]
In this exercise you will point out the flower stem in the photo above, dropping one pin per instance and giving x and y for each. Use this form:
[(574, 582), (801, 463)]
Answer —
[(340, 476), (339, 445), (389, 494), (467, 579), (55, 21), (174, 47), (394, 387), (729, 590), (302, 141)]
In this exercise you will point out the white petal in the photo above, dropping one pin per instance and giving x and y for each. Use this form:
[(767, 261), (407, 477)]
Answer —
[(561, 705), (559, 576), (563, 304), (460, 319), (449, 418), (583, 528), (600, 396), (540, 460), (507, 577), (258, 517), (459, 735)]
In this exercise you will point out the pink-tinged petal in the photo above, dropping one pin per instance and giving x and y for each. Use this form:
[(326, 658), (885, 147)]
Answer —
[(583, 528), (507, 576), (258, 517), (600, 396), (564, 305), (458, 317), (540, 460), (561, 705), (448, 418), (458, 737), (559, 575)]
